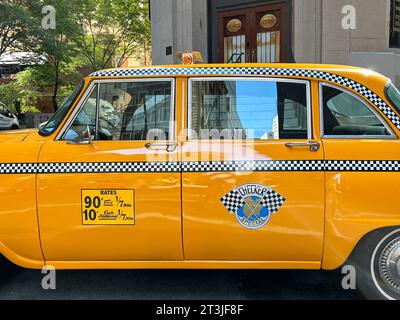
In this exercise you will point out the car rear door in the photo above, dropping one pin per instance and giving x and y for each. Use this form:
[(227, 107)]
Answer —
[(253, 180), (117, 197), (362, 178)]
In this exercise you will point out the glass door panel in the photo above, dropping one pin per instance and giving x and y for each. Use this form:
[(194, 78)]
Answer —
[(234, 49), (268, 46)]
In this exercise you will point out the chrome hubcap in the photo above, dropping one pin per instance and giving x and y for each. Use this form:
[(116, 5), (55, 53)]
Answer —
[(389, 265)]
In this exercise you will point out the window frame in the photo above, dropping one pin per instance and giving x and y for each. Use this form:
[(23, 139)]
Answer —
[(95, 84), (322, 84), (269, 79)]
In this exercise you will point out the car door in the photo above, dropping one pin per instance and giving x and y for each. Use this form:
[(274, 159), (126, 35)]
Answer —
[(361, 150), (107, 191), (253, 183)]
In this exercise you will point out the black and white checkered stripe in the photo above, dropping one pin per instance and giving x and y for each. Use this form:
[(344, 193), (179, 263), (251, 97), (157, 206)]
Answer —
[(272, 200), (217, 166), (90, 167), (258, 165), (232, 201), (254, 71), (354, 165)]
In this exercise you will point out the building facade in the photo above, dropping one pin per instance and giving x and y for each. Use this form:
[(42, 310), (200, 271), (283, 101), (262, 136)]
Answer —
[(351, 32)]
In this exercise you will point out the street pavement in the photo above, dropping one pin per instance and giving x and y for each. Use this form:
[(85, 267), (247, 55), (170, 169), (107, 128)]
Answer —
[(17, 283)]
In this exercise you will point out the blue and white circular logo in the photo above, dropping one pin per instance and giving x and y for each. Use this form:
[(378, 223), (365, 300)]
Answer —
[(253, 204)]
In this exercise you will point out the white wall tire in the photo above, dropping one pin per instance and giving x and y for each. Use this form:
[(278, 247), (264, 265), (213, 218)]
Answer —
[(377, 262)]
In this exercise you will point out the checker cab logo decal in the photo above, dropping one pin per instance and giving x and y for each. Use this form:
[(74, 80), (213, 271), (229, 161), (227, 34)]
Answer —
[(253, 204)]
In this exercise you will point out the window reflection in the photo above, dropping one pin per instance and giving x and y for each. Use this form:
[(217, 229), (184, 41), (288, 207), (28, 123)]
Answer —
[(250, 109)]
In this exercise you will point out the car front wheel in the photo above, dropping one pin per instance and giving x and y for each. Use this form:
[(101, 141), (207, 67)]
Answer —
[(377, 261)]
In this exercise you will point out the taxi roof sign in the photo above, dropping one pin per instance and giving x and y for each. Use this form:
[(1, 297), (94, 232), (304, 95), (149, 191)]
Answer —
[(189, 57)]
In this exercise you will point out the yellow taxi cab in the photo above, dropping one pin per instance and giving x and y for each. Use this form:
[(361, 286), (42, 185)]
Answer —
[(260, 166)]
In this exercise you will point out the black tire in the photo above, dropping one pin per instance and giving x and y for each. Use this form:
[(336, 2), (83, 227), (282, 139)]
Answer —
[(14, 127), (374, 279)]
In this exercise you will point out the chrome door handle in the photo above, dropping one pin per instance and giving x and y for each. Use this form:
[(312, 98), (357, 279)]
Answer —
[(313, 145), (168, 146)]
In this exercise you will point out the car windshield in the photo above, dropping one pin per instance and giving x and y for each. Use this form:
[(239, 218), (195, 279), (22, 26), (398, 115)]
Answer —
[(393, 94), (60, 114)]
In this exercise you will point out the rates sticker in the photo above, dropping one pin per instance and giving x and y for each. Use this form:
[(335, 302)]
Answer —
[(108, 207)]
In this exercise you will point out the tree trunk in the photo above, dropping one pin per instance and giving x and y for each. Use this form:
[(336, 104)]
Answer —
[(54, 97)]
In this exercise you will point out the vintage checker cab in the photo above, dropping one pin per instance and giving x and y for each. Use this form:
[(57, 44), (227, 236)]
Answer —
[(212, 166)]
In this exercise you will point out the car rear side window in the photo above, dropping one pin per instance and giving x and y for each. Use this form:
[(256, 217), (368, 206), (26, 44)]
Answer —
[(345, 114), (393, 94), (248, 109)]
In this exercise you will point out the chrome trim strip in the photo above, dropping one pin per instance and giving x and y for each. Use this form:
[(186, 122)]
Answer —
[(97, 112), (74, 113)]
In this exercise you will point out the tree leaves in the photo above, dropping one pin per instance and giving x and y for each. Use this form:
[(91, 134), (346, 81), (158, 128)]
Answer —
[(114, 29), (16, 23), (95, 33)]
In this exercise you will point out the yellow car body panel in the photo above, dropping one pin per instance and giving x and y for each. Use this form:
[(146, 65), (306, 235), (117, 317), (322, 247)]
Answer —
[(358, 202), (19, 235), (179, 220), (294, 234), (156, 234)]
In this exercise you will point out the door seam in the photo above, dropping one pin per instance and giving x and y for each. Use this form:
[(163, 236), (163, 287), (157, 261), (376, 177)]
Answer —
[(37, 208), (324, 209)]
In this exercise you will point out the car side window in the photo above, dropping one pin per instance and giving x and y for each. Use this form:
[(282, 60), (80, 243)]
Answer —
[(5, 112), (347, 115), (248, 109), (132, 110)]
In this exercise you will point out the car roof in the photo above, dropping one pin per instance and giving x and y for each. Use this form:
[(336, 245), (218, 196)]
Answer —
[(315, 71)]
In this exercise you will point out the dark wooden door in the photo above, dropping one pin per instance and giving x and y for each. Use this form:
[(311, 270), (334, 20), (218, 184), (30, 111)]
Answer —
[(252, 35)]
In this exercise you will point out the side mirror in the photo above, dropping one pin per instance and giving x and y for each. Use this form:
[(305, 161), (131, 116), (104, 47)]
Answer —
[(85, 138), (41, 125)]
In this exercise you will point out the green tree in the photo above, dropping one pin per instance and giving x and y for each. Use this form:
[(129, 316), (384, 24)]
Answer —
[(57, 45), (98, 33), (112, 30), (16, 26), (24, 91)]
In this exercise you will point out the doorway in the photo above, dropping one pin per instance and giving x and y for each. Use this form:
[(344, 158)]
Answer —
[(252, 35)]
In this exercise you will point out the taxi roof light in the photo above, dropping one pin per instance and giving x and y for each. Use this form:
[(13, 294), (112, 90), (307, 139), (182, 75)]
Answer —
[(190, 57)]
